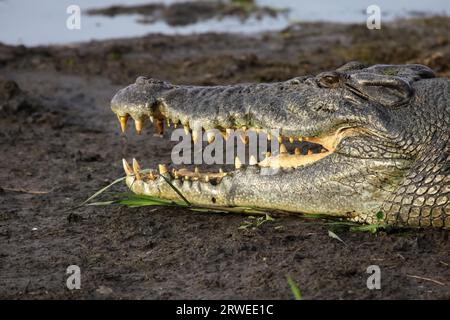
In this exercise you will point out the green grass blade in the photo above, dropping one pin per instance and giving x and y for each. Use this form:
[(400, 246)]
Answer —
[(101, 203), (176, 190), (99, 192), (294, 289)]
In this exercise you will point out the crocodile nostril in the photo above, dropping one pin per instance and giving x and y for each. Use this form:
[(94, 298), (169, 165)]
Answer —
[(213, 200)]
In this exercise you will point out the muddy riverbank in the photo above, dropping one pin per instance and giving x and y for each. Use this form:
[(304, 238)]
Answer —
[(60, 143)]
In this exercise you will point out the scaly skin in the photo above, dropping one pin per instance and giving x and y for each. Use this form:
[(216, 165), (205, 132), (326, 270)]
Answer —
[(386, 129)]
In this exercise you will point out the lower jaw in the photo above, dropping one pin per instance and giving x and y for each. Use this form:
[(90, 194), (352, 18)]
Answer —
[(246, 187)]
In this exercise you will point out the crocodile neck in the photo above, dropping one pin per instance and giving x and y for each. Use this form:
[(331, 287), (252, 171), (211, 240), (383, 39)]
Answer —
[(423, 197)]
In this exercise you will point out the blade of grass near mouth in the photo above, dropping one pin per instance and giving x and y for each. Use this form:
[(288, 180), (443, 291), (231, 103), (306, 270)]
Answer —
[(176, 190), (99, 192)]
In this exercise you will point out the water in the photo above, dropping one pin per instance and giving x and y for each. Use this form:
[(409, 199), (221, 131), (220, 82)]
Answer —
[(40, 22)]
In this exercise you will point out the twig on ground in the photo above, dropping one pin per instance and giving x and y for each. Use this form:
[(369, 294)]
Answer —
[(21, 190), (426, 279)]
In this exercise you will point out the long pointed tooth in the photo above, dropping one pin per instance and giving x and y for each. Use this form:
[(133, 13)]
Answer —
[(196, 170), (159, 126), (127, 168), (269, 136), (210, 136), (283, 148), (162, 168), (136, 169), (237, 163), (228, 133), (220, 170), (297, 151), (123, 122), (300, 139), (291, 139), (138, 125), (252, 160), (152, 119), (186, 130), (280, 139), (206, 178), (243, 137), (168, 123), (195, 135)]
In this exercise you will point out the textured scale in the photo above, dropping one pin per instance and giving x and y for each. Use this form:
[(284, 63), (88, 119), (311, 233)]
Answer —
[(398, 163)]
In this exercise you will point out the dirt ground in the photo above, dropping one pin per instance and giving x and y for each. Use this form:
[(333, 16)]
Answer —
[(59, 143)]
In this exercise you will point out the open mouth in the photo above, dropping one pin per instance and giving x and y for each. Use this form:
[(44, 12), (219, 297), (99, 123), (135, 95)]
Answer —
[(293, 152)]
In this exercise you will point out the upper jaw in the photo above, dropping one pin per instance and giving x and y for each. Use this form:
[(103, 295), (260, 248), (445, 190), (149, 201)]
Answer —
[(193, 107), (219, 107)]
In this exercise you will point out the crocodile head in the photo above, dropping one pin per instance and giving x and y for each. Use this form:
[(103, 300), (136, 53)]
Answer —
[(359, 142)]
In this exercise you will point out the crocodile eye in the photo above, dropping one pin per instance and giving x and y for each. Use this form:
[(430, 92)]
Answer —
[(329, 80)]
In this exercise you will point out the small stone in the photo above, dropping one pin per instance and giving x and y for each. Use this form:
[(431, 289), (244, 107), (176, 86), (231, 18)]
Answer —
[(103, 290)]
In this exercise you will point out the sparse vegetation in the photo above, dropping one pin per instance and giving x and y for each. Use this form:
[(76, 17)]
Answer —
[(294, 288)]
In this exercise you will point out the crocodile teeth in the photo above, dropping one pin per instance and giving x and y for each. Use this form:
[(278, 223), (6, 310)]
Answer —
[(283, 148), (195, 136), (237, 163), (228, 133), (138, 125), (297, 151), (243, 137), (159, 127), (210, 136), (163, 168), (127, 168), (123, 122), (152, 119), (291, 139), (137, 169), (151, 176), (253, 160), (186, 130)]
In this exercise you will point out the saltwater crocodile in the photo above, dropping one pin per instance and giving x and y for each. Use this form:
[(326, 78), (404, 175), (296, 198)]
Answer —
[(374, 143)]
